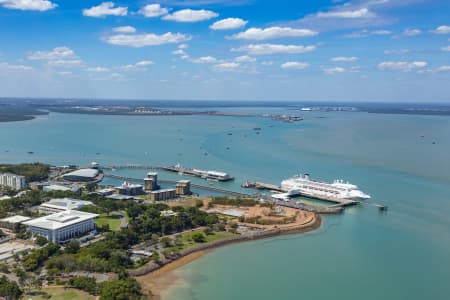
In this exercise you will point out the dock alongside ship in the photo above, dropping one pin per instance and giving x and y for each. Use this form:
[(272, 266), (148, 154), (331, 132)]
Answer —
[(337, 202), (209, 175)]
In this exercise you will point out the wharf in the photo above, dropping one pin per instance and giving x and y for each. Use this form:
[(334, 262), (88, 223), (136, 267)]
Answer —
[(338, 202), (193, 185), (214, 175), (292, 204)]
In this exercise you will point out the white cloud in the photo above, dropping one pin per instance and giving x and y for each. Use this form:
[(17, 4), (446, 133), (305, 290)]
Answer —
[(340, 70), (124, 29), (365, 33), (34, 5), (105, 9), (401, 65), (380, 32), (228, 23), (57, 53), (267, 63), (344, 59), (267, 49), (443, 69), (97, 70), (347, 14), (37, 5), (58, 57), (295, 65), (447, 49), (190, 15), (146, 39), (226, 66), (444, 29), (272, 33), (153, 10), (335, 70), (181, 53), (205, 60), (144, 63), (66, 62), (412, 32), (244, 58), (399, 51), (7, 66), (183, 46)]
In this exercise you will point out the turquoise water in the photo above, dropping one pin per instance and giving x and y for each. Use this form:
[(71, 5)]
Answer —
[(362, 254)]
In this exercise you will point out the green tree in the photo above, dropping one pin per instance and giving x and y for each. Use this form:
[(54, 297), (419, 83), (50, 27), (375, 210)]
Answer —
[(72, 247), (166, 241), (91, 186), (198, 237), (41, 241), (9, 289), (127, 289), (87, 284)]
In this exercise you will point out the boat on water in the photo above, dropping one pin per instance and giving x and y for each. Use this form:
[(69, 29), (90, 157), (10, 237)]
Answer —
[(304, 185)]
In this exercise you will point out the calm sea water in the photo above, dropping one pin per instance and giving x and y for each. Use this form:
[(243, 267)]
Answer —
[(362, 254)]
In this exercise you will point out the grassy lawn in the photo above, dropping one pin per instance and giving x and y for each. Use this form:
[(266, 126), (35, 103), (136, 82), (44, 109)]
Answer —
[(112, 220), (188, 242), (61, 294)]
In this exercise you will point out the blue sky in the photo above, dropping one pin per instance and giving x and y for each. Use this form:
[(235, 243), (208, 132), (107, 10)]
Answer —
[(324, 50)]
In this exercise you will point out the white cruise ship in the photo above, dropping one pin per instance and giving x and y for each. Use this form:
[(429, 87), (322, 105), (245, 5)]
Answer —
[(337, 189)]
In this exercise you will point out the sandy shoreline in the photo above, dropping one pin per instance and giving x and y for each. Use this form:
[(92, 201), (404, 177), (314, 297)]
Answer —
[(156, 282)]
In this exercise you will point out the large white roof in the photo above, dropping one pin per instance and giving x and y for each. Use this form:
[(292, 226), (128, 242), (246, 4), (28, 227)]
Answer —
[(66, 203), (15, 219), (61, 219), (88, 173)]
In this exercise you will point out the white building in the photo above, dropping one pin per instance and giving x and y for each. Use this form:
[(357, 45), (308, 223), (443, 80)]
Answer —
[(62, 226), (63, 204), (14, 181)]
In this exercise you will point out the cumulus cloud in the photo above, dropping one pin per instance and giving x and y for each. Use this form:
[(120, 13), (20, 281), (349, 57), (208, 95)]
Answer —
[(365, 33), (190, 15), (267, 49), (98, 69), (244, 58), (354, 14), (447, 49), (294, 65), (146, 39), (444, 29), (397, 51), (340, 70), (412, 32), (443, 69), (10, 67), (205, 60), (58, 57), (181, 53), (228, 23), (226, 66), (272, 33), (401, 65), (105, 9), (344, 59), (139, 66), (124, 29), (347, 14), (153, 10), (57, 53), (37, 5)]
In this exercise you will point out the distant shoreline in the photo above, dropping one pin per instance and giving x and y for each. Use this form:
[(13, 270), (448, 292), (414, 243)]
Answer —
[(155, 279)]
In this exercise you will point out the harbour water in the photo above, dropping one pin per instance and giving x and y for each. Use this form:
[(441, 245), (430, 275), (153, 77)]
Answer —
[(402, 161)]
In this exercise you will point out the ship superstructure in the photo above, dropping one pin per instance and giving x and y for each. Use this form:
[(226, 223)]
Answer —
[(308, 187)]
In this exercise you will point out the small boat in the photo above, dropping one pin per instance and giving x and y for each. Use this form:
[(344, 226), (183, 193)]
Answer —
[(30, 152)]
